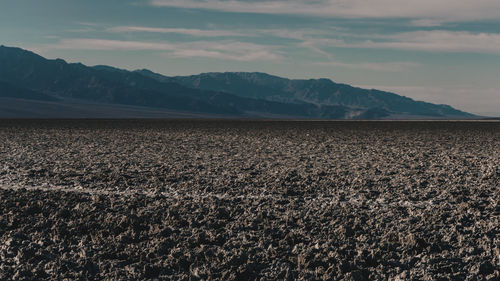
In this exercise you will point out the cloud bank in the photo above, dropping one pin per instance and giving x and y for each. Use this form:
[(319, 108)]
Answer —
[(443, 10), (374, 66), (185, 31), (427, 41), (230, 50)]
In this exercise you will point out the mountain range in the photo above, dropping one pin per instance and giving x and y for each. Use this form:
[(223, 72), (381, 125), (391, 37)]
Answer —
[(33, 86)]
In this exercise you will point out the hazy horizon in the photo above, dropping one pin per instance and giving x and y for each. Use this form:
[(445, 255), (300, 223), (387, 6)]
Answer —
[(446, 53)]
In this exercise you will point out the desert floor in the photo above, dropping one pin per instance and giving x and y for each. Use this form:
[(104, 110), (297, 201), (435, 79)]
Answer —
[(246, 200)]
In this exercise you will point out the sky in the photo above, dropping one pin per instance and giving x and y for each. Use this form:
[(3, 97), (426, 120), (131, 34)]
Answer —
[(445, 52)]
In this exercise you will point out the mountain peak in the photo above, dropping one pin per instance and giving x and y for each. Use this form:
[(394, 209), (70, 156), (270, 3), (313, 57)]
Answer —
[(16, 50), (243, 75)]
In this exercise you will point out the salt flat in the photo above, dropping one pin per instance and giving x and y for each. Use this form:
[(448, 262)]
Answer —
[(234, 200)]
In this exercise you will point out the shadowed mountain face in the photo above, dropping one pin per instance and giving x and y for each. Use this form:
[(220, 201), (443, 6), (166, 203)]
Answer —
[(28, 76), (104, 85), (10, 91)]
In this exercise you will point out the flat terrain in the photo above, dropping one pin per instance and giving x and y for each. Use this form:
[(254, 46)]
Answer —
[(244, 200), (11, 108)]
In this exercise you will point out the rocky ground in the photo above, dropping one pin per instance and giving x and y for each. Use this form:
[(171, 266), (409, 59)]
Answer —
[(241, 200)]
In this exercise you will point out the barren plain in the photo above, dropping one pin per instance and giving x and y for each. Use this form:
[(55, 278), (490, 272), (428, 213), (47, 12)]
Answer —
[(249, 200)]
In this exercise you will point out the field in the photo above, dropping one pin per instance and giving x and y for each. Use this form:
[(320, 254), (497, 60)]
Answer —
[(246, 200)]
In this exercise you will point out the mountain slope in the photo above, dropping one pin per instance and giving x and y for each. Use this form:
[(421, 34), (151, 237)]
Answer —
[(77, 81), (316, 91), (103, 84), (8, 90), (26, 75)]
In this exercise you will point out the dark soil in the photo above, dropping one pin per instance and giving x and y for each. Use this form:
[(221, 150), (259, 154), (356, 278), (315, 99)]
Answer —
[(242, 200)]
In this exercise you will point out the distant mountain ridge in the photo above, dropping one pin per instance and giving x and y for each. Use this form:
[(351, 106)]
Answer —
[(27, 76), (316, 91)]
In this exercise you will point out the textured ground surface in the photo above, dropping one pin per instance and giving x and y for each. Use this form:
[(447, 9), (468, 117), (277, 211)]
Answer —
[(193, 200)]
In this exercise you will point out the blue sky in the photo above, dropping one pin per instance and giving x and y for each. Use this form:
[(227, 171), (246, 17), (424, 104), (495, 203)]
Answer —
[(442, 52)]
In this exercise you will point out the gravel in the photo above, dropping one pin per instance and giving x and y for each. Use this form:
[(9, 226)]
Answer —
[(249, 200)]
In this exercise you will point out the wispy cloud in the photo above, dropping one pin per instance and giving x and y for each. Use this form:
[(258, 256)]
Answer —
[(426, 23), (236, 56), (88, 23), (298, 34), (110, 45), (374, 66), (446, 10), (228, 50), (185, 31), (442, 41), (429, 41)]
